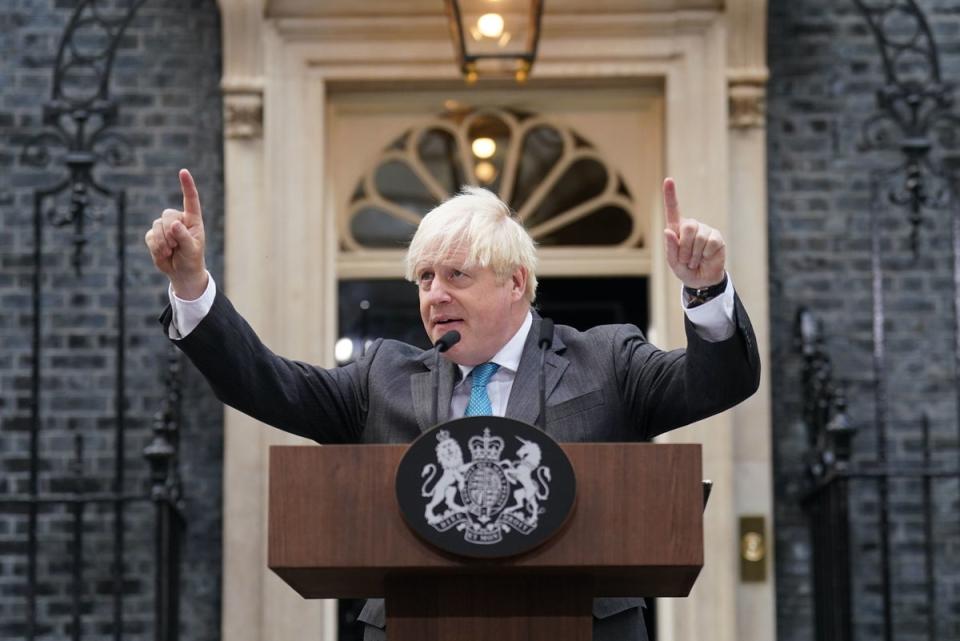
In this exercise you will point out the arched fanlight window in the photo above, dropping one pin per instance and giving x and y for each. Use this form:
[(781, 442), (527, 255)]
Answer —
[(561, 187)]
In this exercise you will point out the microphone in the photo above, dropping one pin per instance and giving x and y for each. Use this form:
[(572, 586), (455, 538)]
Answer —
[(445, 342), (544, 342)]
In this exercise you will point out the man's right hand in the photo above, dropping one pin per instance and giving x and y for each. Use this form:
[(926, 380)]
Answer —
[(176, 242)]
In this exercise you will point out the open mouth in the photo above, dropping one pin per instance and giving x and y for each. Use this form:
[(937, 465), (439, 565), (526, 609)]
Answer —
[(445, 322)]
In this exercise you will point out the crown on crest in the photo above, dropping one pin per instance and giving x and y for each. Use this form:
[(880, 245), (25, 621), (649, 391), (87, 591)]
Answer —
[(486, 447)]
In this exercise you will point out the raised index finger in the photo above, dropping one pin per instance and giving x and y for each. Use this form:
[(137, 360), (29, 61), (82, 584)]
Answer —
[(191, 198), (670, 204)]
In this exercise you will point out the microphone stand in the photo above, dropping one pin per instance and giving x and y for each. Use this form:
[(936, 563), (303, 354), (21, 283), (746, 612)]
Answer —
[(545, 341), (445, 342)]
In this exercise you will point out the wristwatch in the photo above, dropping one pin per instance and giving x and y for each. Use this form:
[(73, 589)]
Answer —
[(700, 295)]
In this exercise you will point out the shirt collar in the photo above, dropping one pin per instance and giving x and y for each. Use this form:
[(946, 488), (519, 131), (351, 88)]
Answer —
[(509, 355)]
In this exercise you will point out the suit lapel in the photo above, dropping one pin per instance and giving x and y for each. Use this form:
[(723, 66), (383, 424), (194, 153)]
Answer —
[(421, 386), (524, 402)]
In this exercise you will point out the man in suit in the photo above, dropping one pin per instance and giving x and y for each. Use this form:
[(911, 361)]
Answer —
[(474, 267)]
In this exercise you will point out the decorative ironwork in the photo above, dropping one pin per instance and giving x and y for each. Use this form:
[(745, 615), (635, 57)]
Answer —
[(162, 450), (79, 116), (78, 121), (915, 109), (829, 436), (829, 430), (915, 114), (832, 477)]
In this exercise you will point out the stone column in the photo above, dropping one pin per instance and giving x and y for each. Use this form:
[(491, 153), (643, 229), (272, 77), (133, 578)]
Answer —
[(753, 454), (257, 605)]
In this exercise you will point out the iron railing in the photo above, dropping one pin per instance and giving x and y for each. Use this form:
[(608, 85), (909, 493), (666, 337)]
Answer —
[(860, 520), (78, 134)]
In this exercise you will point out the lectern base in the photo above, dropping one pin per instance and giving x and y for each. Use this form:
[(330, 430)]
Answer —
[(429, 608)]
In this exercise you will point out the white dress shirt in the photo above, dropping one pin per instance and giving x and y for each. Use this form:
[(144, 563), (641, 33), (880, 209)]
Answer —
[(498, 389), (713, 321)]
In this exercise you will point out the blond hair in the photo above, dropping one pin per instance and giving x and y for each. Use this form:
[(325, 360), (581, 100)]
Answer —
[(481, 226)]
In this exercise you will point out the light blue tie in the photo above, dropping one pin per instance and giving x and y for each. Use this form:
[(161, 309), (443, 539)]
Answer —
[(479, 404)]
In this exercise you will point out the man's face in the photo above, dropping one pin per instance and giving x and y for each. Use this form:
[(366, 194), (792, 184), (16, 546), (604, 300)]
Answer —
[(485, 310)]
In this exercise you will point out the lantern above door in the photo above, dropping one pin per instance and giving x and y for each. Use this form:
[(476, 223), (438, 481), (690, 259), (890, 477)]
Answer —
[(495, 38)]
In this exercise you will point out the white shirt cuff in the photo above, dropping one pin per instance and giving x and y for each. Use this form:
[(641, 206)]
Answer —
[(187, 314), (713, 320)]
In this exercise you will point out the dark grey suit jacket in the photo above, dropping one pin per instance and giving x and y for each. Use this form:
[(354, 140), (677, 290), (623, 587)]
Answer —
[(605, 384)]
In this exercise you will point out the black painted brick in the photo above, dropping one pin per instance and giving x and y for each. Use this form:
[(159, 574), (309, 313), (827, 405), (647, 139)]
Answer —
[(79, 321), (825, 69)]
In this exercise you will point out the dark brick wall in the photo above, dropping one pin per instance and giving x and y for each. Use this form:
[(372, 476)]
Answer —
[(166, 78), (825, 68)]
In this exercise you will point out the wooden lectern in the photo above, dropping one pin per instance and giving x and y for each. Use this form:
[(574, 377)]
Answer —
[(335, 531)]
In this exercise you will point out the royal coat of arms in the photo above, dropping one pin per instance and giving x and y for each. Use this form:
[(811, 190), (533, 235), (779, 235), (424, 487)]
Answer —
[(485, 486), (488, 495)]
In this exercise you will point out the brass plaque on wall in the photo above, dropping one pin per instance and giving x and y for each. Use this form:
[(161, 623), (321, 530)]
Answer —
[(753, 549)]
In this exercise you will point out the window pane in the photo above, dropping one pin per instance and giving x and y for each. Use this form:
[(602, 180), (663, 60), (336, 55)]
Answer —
[(375, 228), (583, 180), (396, 182), (542, 148), (438, 151), (606, 226)]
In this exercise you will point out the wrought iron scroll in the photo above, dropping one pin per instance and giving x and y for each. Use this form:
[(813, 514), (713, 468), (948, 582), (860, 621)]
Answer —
[(78, 136), (915, 110), (79, 119)]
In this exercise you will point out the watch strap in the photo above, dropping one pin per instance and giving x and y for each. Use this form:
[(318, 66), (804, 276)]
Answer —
[(699, 295)]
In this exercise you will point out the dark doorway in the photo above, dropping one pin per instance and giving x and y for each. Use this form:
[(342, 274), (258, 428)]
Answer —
[(372, 309)]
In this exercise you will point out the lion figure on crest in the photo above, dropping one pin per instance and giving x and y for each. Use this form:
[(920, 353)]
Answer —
[(450, 457)]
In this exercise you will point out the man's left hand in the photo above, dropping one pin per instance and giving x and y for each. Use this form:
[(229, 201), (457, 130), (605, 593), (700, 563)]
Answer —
[(696, 252)]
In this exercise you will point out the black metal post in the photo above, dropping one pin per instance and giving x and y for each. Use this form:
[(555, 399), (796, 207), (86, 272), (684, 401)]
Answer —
[(829, 534), (928, 552), (34, 426), (167, 604), (880, 409), (120, 402), (165, 492), (77, 507)]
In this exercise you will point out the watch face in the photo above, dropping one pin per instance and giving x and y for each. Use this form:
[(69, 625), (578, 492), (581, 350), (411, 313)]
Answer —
[(485, 487)]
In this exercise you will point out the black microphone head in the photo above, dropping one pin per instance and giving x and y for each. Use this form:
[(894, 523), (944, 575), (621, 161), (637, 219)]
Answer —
[(448, 340), (546, 333)]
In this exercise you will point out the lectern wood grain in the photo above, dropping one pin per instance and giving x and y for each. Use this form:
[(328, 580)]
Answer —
[(636, 529)]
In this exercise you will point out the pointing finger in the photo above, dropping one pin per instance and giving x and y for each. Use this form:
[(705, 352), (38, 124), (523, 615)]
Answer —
[(671, 205), (191, 198)]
